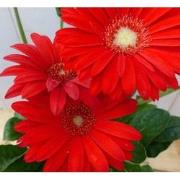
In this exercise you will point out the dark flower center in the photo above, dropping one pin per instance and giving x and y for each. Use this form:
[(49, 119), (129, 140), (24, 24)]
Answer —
[(60, 73), (77, 118), (126, 34)]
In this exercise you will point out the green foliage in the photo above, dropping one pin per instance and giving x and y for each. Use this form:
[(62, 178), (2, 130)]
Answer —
[(155, 148), (139, 154), (159, 130), (20, 166), (133, 167), (9, 133), (162, 142), (172, 131), (11, 160), (151, 123), (9, 154), (141, 107)]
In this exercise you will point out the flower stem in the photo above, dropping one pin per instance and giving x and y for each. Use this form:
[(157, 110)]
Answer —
[(58, 11), (20, 27)]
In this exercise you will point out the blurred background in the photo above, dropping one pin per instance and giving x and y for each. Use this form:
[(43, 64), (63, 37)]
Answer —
[(45, 21)]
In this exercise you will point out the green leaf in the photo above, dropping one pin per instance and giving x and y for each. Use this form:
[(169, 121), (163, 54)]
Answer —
[(9, 154), (139, 154), (144, 106), (156, 147), (9, 133), (172, 131), (146, 168), (162, 142), (20, 166), (132, 167), (151, 123)]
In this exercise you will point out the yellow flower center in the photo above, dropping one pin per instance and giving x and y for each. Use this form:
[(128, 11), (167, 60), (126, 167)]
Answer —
[(78, 121), (125, 38)]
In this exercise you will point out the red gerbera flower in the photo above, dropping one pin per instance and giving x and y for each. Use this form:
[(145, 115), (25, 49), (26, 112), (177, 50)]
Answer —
[(83, 137), (41, 70), (125, 49)]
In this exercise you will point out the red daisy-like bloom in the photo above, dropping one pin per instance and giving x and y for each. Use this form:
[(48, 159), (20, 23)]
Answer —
[(41, 70), (83, 137), (123, 49)]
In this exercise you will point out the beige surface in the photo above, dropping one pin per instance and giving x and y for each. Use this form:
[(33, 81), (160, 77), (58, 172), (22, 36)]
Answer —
[(4, 116), (168, 160)]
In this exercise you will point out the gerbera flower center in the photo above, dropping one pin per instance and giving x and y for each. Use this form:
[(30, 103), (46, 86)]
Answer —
[(78, 121), (126, 34), (125, 38), (77, 118), (60, 73)]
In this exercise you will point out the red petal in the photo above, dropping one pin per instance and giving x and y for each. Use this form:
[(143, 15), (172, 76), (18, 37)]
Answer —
[(76, 156), (124, 144), (32, 89), (12, 71), (118, 94), (30, 154), (172, 59), (118, 165), (29, 110), (72, 90), (108, 145), (96, 84), (51, 84), (165, 24), (110, 77), (154, 14), (121, 64), (112, 12), (128, 155), (120, 130), (14, 91), (144, 62), (22, 126), (49, 148), (100, 15), (78, 38), (20, 59), (101, 62), (57, 100), (67, 52), (30, 76), (45, 47), (84, 61), (158, 81), (120, 110), (165, 42), (157, 62), (172, 33), (55, 163), (95, 155), (78, 17), (87, 167), (32, 52), (129, 78), (143, 83)]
